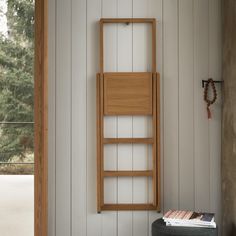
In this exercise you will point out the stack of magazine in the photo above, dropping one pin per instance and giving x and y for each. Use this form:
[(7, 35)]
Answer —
[(189, 219)]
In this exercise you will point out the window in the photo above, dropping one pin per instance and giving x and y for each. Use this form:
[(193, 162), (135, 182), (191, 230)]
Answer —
[(17, 87)]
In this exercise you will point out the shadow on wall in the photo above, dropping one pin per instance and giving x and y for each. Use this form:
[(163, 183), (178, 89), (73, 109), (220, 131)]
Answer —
[(232, 230)]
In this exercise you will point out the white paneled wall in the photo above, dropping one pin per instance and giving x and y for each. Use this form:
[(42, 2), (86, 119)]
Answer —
[(188, 50)]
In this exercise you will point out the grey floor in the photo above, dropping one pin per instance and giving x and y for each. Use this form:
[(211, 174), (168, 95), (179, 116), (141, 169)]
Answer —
[(16, 205)]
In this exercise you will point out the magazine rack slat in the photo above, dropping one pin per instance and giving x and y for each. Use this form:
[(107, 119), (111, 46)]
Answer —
[(128, 93)]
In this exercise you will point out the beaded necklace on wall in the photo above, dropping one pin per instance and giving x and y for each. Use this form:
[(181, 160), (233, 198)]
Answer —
[(209, 101)]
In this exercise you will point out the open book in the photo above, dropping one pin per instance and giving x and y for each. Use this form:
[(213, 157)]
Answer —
[(189, 219)]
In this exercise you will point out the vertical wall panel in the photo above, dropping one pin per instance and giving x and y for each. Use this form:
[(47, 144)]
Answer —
[(186, 108), (94, 220), (171, 113), (141, 38), (188, 50), (155, 10), (109, 10), (51, 117), (125, 129), (215, 72), (63, 119), (79, 119), (201, 135), (141, 62), (124, 8), (109, 219), (125, 184)]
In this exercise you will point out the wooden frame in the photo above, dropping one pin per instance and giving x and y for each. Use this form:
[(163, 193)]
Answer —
[(127, 93), (128, 21), (116, 94), (41, 116)]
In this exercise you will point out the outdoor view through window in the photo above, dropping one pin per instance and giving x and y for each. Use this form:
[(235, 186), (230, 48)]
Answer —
[(16, 117)]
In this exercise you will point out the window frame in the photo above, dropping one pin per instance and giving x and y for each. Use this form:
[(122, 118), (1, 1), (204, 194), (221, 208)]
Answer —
[(41, 119)]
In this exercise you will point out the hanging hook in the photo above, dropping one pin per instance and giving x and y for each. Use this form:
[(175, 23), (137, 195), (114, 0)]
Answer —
[(215, 81)]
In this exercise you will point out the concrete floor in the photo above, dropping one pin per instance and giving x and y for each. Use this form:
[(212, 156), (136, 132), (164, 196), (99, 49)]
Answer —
[(16, 205)]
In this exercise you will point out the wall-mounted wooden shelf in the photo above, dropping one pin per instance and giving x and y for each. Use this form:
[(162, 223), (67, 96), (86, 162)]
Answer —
[(128, 93), (127, 140)]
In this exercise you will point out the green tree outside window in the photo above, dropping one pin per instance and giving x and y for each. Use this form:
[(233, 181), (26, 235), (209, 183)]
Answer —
[(17, 82)]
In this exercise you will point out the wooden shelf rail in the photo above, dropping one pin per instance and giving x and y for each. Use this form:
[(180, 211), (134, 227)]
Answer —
[(128, 93), (127, 140), (127, 173), (127, 207)]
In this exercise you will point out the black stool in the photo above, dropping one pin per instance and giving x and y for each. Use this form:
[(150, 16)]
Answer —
[(159, 228)]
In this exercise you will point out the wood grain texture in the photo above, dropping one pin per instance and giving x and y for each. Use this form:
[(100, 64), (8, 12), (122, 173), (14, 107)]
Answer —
[(127, 173), (98, 145), (229, 122), (128, 140), (155, 9), (142, 57), (101, 140), (154, 41), (101, 91), (124, 124), (101, 26), (127, 20), (127, 207), (154, 135), (41, 118), (127, 93), (110, 219), (158, 142)]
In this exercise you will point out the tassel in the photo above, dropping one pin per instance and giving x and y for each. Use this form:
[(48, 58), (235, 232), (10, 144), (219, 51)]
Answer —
[(208, 113)]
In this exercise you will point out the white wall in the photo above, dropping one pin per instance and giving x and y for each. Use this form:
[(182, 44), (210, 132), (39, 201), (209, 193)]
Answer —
[(188, 50)]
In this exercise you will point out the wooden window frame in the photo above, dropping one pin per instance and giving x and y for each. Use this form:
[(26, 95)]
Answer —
[(41, 119)]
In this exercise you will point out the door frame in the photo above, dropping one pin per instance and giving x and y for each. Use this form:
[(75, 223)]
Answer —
[(41, 119)]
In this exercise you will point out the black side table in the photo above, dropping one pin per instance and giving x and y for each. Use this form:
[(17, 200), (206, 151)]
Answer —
[(159, 228)]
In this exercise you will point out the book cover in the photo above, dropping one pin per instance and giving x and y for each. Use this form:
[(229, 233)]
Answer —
[(189, 219)]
